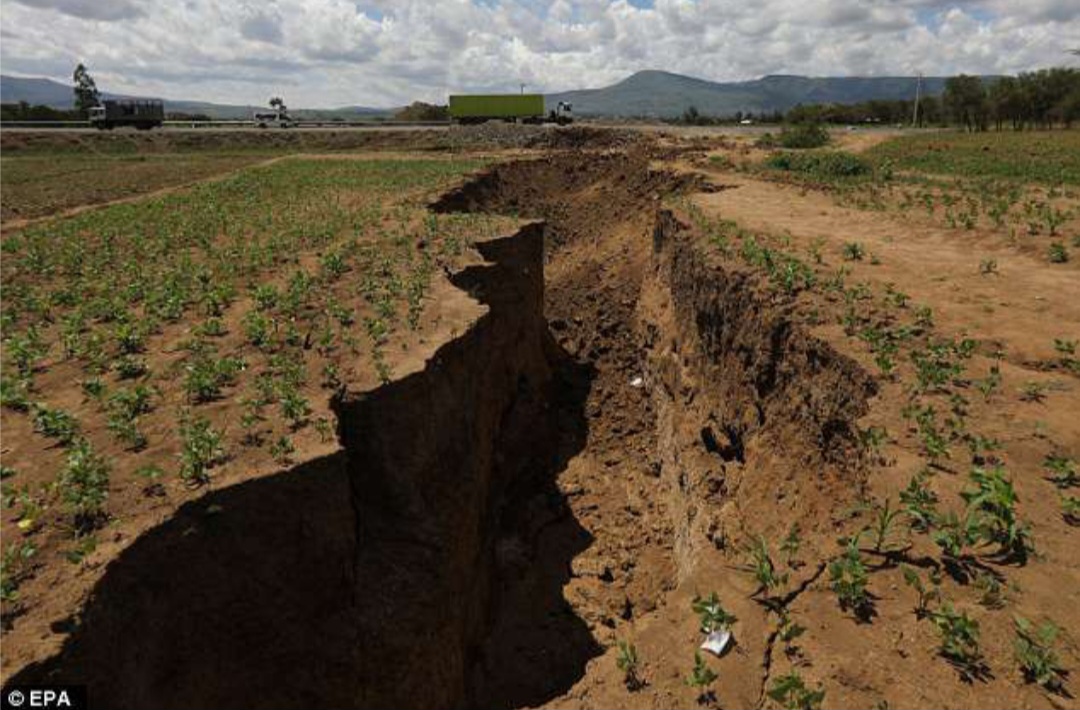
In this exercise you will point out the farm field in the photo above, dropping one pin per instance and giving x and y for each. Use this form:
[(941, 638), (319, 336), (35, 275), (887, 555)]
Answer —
[(1047, 158), (519, 420), (37, 186)]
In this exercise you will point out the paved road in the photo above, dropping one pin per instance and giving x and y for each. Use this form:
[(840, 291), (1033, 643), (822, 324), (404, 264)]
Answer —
[(221, 129)]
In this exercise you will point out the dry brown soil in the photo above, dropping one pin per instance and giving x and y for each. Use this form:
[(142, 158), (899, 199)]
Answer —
[(681, 406)]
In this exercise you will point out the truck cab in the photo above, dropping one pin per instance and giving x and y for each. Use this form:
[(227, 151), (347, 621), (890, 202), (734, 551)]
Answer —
[(562, 114)]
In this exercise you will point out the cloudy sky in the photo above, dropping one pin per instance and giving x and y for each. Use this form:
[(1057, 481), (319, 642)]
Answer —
[(374, 53)]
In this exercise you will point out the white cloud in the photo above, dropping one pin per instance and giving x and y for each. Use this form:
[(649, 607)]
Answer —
[(107, 10), (388, 52)]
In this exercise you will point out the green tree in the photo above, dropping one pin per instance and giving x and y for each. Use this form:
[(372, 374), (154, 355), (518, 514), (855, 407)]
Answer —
[(1008, 102), (965, 100), (86, 91), (420, 111)]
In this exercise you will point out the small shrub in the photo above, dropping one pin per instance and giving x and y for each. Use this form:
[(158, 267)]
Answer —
[(802, 136), (821, 165)]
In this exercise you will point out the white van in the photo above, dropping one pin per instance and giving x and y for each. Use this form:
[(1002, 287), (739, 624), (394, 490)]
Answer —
[(272, 118)]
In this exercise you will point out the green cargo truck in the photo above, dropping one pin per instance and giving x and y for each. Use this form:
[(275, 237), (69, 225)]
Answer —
[(143, 114), (526, 108)]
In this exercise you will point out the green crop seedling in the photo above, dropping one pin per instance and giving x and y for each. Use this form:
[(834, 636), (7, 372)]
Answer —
[(84, 486), (994, 502), (848, 578), (1034, 650), (763, 567), (927, 594), (790, 692), (700, 678), (203, 448), (626, 660), (1063, 471), (712, 614), (959, 640)]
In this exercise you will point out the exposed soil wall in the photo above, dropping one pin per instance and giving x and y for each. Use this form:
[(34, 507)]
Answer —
[(753, 413)]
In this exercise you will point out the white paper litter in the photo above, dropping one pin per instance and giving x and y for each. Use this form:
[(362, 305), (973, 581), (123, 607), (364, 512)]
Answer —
[(637, 381), (717, 642)]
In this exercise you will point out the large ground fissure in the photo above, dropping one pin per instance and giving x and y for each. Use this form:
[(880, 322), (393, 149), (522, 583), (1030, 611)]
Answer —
[(499, 518)]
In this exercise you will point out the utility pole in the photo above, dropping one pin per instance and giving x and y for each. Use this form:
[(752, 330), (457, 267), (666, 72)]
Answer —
[(918, 95)]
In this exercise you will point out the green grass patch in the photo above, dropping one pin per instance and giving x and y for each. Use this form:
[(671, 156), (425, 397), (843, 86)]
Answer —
[(821, 165)]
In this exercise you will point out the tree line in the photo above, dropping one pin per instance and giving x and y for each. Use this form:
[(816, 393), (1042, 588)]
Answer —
[(1039, 99)]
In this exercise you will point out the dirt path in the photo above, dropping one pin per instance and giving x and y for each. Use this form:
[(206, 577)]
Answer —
[(1024, 306)]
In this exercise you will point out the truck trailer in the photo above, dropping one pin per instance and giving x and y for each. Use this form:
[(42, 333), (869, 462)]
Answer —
[(526, 108), (143, 114)]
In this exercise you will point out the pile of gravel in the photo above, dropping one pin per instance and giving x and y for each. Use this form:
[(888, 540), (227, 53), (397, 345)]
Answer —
[(499, 135)]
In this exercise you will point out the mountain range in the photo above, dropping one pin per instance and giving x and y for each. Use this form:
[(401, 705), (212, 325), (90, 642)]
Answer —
[(648, 94), (660, 94)]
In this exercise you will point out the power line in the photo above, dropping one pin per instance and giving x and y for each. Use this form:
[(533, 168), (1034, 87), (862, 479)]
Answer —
[(918, 95)]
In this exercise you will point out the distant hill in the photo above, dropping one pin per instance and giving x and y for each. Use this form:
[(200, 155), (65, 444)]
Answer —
[(651, 94), (51, 93), (660, 94)]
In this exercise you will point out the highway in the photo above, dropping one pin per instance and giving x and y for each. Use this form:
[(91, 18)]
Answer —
[(219, 127)]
